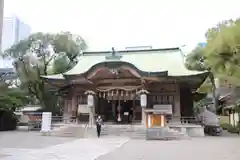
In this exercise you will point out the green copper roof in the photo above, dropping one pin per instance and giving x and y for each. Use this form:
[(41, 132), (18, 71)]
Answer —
[(144, 60), (168, 60)]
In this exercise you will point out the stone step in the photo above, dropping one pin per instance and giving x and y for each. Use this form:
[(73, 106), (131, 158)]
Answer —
[(165, 133), (124, 131), (132, 132), (69, 131)]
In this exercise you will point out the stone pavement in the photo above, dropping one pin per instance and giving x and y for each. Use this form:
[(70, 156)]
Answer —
[(207, 148), (84, 149), (31, 146)]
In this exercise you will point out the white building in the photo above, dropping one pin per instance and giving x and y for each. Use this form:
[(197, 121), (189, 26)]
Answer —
[(14, 30), (1, 21)]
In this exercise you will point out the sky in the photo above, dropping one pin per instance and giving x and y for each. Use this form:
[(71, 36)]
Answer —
[(123, 23)]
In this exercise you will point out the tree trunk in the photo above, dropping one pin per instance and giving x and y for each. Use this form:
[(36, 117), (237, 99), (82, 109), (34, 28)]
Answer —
[(215, 100)]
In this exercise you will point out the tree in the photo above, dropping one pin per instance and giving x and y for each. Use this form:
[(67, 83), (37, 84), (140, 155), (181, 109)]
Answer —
[(222, 51), (37, 54), (197, 61), (62, 64), (221, 55)]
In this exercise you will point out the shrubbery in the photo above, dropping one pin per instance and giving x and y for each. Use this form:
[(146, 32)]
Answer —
[(230, 128), (8, 120)]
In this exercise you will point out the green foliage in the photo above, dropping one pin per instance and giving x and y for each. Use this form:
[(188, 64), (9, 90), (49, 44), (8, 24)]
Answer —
[(195, 60), (69, 44), (225, 126), (230, 128), (61, 64), (221, 56), (12, 97), (38, 54), (222, 50), (237, 108)]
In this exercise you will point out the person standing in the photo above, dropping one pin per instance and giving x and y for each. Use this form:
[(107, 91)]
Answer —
[(99, 123)]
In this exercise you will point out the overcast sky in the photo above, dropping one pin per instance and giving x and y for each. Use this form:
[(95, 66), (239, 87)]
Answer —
[(121, 23)]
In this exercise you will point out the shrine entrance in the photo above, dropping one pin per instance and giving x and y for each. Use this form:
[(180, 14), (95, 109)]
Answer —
[(119, 109)]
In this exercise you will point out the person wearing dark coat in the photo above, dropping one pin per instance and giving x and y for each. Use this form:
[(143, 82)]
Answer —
[(99, 123)]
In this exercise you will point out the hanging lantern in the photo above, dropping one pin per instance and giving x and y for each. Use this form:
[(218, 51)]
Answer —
[(143, 100), (143, 97), (90, 101)]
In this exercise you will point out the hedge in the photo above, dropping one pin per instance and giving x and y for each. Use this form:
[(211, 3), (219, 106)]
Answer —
[(8, 120)]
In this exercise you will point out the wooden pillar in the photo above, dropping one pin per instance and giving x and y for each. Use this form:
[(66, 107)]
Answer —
[(148, 120), (134, 112), (114, 109), (177, 107), (74, 106), (67, 111), (162, 121)]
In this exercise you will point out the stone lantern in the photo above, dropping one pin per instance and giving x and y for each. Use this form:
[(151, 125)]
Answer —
[(90, 104)]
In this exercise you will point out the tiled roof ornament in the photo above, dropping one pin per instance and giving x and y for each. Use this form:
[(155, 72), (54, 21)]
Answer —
[(113, 52), (113, 55)]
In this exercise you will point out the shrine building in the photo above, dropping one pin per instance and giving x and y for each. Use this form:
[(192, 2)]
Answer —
[(127, 85)]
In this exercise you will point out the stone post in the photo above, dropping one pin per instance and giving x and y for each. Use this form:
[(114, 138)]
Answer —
[(46, 123), (90, 103), (143, 116), (91, 116)]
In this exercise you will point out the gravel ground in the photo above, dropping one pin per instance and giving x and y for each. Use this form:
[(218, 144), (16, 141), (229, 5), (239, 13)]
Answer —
[(207, 148)]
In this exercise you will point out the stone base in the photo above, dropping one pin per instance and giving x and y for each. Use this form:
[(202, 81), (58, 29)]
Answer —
[(191, 130), (44, 133)]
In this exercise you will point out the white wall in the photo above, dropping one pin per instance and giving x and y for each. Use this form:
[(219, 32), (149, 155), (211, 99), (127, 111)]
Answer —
[(234, 119)]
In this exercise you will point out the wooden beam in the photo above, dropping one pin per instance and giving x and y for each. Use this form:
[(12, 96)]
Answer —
[(116, 81)]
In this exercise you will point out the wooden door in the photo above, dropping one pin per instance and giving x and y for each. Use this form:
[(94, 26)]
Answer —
[(156, 120)]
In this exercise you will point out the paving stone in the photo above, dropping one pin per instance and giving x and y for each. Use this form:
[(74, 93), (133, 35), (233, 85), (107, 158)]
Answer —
[(84, 149), (207, 148)]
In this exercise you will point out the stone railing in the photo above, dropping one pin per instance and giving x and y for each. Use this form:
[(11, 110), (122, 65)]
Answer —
[(183, 120)]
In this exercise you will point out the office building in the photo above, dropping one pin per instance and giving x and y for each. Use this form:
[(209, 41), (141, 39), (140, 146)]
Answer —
[(1, 21), (13, 31)]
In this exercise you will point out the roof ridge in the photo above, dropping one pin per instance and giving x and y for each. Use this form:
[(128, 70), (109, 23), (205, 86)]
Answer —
[(132, 51)]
